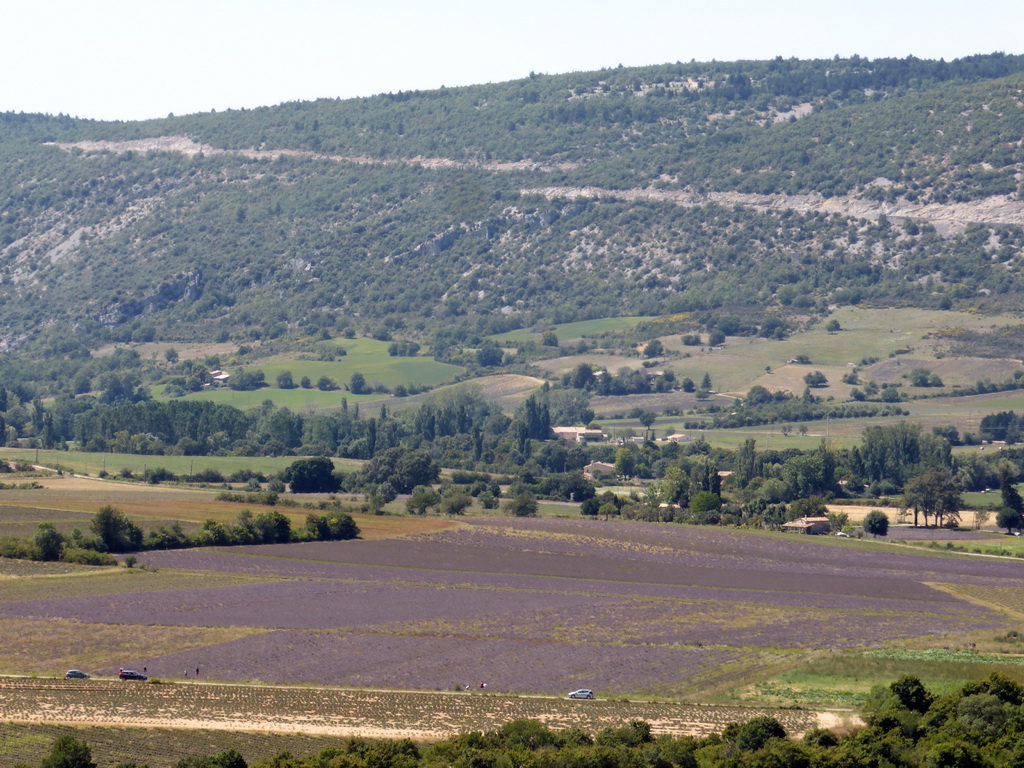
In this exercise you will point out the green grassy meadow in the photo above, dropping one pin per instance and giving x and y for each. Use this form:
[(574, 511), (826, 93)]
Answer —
[(999, 544), (370, 358), (844, 679), (298, 400), (866, 333), (571, 331), (507, 390), (366, 356), (81, 462)]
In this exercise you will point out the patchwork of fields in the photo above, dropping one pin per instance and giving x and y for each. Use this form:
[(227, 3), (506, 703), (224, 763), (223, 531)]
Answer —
[(541, 606)]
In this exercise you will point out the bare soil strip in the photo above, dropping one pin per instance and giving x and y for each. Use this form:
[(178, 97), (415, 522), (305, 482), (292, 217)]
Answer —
[(949, 217), (417, 715), (189, 147)]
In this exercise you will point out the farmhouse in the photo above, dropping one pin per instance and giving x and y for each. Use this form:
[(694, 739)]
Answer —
[(578, 434), (812, 525), (219, 378), (597, 469)]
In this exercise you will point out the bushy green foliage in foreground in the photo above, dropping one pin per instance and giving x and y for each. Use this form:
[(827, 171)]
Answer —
[(979, 726)]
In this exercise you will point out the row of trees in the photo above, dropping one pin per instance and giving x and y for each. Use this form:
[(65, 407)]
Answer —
[(113, 532), (462, 430)]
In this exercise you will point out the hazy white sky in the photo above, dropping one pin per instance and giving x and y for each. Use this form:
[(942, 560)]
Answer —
[(135, 59)]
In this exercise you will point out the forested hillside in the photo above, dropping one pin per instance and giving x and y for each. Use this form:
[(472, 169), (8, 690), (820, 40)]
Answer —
[(744, 188)]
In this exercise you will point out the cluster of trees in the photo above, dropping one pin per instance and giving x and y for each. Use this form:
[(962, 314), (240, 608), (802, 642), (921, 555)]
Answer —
[(1011, 515), (460, 429), (1004, 426), (112, 532), (625, 381), (978, 725), (770, 487), (761, 406)]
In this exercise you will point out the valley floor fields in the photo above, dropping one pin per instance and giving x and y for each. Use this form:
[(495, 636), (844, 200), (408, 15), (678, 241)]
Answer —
[(523, 606)]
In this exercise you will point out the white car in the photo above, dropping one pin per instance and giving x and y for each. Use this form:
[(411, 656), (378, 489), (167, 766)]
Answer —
[(582, 693), (844, 534)]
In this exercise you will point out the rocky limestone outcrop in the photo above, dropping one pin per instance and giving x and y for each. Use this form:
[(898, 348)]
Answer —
[(186, 287), (948, 218)]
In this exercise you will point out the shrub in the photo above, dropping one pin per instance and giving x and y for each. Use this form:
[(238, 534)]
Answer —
[(86, 557), (208, 476), (69, 752), (522, 505), (156, 475), (455, 503), (876, 523), (755, 733), (48, 542), (17, 549), (315, 475)]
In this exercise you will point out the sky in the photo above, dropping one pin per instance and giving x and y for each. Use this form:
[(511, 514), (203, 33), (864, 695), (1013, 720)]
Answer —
[(139, 59)]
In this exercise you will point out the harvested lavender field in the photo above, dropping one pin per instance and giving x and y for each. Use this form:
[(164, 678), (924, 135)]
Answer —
[(533, 606), (400, 714)]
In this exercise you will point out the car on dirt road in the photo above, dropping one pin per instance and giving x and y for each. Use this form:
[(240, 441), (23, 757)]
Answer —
[(131, 674), (582, 693), (76, 674)]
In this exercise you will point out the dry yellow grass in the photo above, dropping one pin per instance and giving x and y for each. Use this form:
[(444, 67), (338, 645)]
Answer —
[(158, 502), (386, 526), (51, 647), (858, 512)]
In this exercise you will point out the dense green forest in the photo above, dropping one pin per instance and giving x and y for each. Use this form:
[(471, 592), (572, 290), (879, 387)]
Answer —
[(415, 211)]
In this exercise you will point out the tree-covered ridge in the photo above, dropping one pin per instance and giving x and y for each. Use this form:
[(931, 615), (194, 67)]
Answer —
[(694, 124), (255, 254), (418, 210)]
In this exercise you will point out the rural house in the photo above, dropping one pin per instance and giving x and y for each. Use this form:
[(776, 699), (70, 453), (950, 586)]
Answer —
[(596, 469), (812, 525), (578, 434)]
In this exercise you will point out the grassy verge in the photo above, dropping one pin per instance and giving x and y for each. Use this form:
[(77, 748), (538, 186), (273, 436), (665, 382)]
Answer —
[(839, 679), (81, 462), (572, 331)]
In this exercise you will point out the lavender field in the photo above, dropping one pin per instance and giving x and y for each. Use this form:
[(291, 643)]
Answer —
[(523, 606)]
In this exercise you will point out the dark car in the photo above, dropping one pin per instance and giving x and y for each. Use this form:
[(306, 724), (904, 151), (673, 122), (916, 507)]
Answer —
[(76, 674), (131, 674), (582, 693)]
